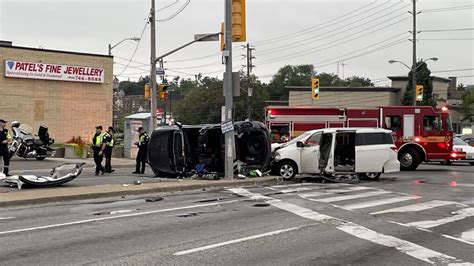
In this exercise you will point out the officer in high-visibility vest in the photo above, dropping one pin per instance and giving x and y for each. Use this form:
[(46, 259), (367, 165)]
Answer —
[(142, 144), (109, 138), (98, 147), (5, 138)]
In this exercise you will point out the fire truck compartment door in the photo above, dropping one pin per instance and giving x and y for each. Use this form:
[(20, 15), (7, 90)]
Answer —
[(408, 126)]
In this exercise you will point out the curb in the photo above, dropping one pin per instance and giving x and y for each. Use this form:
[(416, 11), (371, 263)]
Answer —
[(120, 191)]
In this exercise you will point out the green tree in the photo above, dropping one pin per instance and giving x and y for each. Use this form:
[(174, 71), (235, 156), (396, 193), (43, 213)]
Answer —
[(134, 87), (468, 105), (422, 78), (299, 75)]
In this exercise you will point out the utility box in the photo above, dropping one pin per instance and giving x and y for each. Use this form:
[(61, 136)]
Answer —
[(132, 123)]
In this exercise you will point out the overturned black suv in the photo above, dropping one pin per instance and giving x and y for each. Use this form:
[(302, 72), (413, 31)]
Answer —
[(177, 150)]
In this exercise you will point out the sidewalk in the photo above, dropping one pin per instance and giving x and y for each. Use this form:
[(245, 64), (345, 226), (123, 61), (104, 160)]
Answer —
[(57, 194)]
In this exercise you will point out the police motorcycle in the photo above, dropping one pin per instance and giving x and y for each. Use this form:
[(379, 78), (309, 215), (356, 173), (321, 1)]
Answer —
[(26, 145)]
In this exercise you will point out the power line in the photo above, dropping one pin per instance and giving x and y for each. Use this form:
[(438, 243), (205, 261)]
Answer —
[(176, 13), (466, 76), (452, 70), (447, 39), (302, 32), (442, 30), (136, 48), (345, 36), (444, 9)]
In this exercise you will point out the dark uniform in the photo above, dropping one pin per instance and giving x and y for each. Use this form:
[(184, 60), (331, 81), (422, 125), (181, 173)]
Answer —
[(4, 139), (109, 139), (97, 148), (142, 144)]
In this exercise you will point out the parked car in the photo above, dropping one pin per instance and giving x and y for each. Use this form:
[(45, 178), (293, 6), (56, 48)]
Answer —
[(177, 150), (460, 145), (469, 139), (364, 151)]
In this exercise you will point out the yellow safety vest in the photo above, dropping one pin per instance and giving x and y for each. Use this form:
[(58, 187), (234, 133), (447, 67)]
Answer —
[(98, 140)]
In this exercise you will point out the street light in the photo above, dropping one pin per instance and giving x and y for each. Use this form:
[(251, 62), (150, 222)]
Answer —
[(112, 47), (413, 71)]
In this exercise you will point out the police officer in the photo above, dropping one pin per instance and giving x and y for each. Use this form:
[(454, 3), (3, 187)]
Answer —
[(142, 144), (5, 138), (98, 147), (109, 139)]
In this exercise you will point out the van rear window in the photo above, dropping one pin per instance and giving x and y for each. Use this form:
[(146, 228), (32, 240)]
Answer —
[(373, 139)]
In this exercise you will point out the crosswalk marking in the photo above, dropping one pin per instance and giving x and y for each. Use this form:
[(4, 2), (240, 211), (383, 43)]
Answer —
[(418, 207), (332, 191), (359, 231), (368, 204), (348, 197), (468, 235), (458, 215)]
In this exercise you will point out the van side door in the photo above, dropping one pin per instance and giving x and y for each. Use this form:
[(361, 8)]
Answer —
[(372, 151), (179, 156), (310, 154)]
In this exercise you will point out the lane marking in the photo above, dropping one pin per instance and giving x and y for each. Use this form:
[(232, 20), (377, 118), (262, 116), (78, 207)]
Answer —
[(113, 217), (349, 197), (406, 247), (418, 207), (457, 215), (333, 191), (6, 218), (374, 203), (309, 184), (235, 241), (468, 235)]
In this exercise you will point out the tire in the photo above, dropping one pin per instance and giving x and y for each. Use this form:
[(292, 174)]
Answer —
[(287, 169), (40, 158), (409, 159), (471, 163), (371, 176)]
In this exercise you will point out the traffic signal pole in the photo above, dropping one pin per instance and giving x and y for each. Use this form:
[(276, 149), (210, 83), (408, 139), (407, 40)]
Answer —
[(153, 99), (413, 68), (228, 92)]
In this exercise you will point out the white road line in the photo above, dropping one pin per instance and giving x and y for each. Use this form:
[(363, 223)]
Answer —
[(418, 207), (332, 191), (374, 203), (349, 197), (457, 215), (309, 184), (406, 247), (468, 235), (112, 217), (298, 189), (6, 218), (235, 241)]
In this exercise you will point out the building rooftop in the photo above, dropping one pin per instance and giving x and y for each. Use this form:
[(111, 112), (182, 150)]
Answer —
[(9, 44), (352, 89), (403, 78)]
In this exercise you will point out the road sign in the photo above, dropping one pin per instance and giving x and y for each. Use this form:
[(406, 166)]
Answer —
[(315, 88), (208, 37), (227, 127), (419, 93), (160, 71)]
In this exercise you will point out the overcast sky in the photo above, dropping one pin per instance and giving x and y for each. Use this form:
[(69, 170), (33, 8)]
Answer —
[(363, 35)]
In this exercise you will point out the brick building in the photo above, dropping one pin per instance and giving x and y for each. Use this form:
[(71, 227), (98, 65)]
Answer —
[(68, 92)]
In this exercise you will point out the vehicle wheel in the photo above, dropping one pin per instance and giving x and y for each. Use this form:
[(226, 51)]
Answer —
[(409, 160), (287, 169), (40, 158), (471, 163), (371, 176)]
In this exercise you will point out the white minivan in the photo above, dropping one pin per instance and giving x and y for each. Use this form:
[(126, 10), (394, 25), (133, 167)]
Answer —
[(345, 151)]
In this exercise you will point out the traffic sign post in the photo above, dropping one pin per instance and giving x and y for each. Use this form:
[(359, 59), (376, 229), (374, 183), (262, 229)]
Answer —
[(315, 88)]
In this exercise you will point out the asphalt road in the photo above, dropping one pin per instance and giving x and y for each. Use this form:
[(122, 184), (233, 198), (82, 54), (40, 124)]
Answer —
[(409, 218)]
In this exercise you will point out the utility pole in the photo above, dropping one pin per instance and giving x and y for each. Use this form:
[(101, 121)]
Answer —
[(413, 68), (249, 69), (153, 68), (338, 69), (342, 64), (228, 91)]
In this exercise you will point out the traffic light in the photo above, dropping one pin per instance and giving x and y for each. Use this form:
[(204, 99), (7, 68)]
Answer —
[(239, 33), (419, 93), (222, 37), (147, 91), (315, 88), (162, 91)]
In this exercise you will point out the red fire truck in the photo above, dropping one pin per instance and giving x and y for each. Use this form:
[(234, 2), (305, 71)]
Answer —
[(421, 133)]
